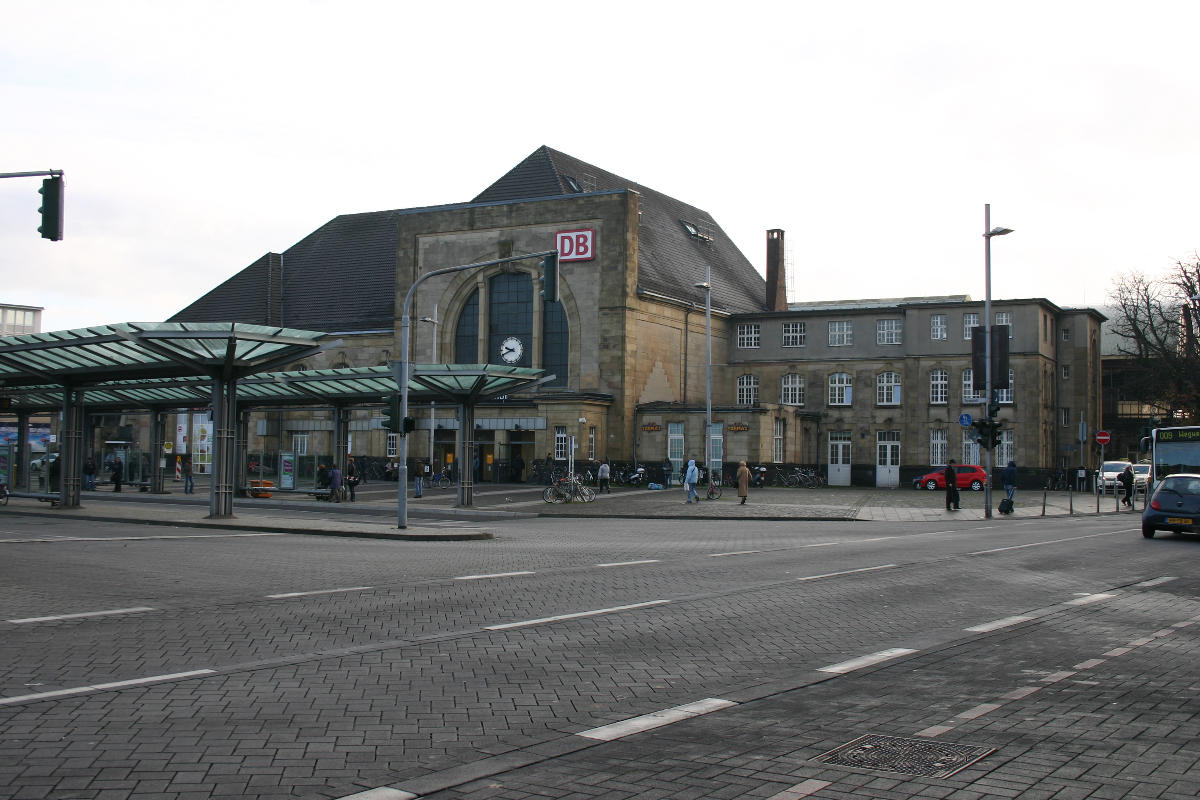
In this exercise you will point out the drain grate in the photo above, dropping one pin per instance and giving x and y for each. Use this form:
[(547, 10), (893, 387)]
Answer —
[(909, 756)]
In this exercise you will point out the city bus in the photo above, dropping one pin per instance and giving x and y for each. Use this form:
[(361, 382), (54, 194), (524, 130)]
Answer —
[(1172, 450)]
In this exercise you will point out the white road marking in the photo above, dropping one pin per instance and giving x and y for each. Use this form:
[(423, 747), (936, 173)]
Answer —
[(1156, 581), (734, 553), (1043, 544), (382, 793), (804, 789), (319, 591), (103, 686), (978, 711), (493, 575), (617, 730), (57, 539), (82, 615), (579, 615), (1088, 599), (866, 661), (845, 572), (934, 730), (996, 625), (629, 563)]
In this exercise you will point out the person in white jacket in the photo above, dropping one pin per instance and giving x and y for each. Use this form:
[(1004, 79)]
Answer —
[(690, 479)]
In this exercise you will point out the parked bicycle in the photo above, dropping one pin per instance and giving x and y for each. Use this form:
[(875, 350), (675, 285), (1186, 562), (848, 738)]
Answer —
[(804, 477), (714, 489), (567, 490), (443, 479)]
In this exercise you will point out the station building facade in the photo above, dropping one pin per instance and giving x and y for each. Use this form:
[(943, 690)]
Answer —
[(862, 388)]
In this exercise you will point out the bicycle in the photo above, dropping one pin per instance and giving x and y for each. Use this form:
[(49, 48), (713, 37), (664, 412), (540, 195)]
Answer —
[(442, 480), (714, 489), (568, 489)]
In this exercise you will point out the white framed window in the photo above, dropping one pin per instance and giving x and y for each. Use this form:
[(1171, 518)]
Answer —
[(937, 327), (939, 387), (791, 391), (675, 444), (300, 444), (795, 334), (841, 389), (592, 443), (887, 331), (1007, 395), (560, 442), (780, 428), (1066, 334), (969, 395), (841, 333), (1005, 318), (887, 389), (970, 447), (969, 321), (1066, 372), (1064, 417), (748, 335), (391, 447), (1005, 452), (747, 390), (937, 447)]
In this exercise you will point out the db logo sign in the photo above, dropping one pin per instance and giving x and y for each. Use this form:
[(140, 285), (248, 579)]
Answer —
[(577, 245)]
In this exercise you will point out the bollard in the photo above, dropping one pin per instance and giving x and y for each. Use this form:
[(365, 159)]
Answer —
[(1044, 493)]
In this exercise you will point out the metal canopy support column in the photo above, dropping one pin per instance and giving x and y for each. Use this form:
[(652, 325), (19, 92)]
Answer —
[(466, 455), (341, 435), (23, 475), (224, 405), (242, 460), (70, 456), (158, 429)]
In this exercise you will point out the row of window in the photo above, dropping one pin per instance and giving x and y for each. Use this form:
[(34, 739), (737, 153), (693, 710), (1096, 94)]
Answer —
[(840, 333), (840, 389)]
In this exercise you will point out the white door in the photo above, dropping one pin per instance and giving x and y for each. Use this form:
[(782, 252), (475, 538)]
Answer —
[(887, 459), (839, 458)]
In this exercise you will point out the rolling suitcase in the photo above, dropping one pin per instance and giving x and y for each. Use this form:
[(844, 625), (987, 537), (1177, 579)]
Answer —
[(1006, 506)]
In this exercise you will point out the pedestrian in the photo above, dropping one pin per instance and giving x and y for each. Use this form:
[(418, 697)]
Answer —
[(1008, 477), (322, 476), (690, 479), (476, 471), (89, 474), (118, 473), (518, 469), (351, 476), (418, 478), (602, 475), (743, 481), (189, 482), (335, 484), (951, 487), (668, 468), (1126, 479), (52, 473)]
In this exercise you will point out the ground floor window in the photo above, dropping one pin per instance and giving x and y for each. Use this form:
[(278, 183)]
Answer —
[(780, 428), (937, 447), (970, 448), (560, 442), (1006, 452), (300, 444), (675, 445), (391, 445)]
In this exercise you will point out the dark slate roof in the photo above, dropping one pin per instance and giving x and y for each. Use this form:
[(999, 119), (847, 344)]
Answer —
[(339, 278), (670, 260)]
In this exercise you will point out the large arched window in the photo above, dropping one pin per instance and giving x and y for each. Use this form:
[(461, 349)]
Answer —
[(510, 315), (555, 338), (466, 333)]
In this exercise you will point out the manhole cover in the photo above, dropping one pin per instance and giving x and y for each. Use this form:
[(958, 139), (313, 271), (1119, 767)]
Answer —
[(910, 756)]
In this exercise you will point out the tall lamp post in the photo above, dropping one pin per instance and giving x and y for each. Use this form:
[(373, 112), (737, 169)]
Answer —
[(988, 233), (707, 287), (434, 321)]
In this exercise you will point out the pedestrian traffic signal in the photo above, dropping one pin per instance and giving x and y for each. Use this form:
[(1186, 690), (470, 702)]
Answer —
[(391, 414), (987, 433), (52, 208), (550, 277)]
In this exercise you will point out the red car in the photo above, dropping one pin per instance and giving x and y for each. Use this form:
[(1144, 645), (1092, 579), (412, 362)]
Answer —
[(967, 476)]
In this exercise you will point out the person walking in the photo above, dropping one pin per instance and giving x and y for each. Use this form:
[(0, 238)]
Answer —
[(189, 481), (351, 476), (668, 468), (690, 479), (89, 474), (743, 481), (1008, 477), (418, 478), (118, 473), (1126, 479), (335, 484), (602, 475), (951, 487)]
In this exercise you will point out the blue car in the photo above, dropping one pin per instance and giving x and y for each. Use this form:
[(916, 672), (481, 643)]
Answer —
[(1175, 506)]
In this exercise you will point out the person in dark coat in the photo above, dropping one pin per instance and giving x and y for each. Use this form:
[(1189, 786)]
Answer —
[(118, 473), (1126, 479), (89, 474), (1008, 477), (951, 487), (743, 481)]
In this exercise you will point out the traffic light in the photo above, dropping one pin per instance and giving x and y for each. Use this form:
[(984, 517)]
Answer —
[(391, 414), (994, 434), (550, 278), (1000, 361), (410, 425), (52, 208)]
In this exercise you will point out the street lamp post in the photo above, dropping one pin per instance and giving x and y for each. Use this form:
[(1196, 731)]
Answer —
[(434, 321), (988, 233), (707, 287)]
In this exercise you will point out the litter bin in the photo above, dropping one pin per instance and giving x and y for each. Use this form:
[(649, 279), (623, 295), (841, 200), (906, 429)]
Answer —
[(258, 488)]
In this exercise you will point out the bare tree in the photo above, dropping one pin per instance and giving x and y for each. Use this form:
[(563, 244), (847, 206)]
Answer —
[(1158, 326)]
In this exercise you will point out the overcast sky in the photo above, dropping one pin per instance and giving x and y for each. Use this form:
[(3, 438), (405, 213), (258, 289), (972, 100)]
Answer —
[(196, 137)]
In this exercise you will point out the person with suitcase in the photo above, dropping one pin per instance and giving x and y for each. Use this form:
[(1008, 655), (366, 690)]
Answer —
[(1008, 477)]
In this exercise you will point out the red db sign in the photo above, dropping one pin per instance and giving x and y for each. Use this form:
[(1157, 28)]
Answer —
[(579, 245)]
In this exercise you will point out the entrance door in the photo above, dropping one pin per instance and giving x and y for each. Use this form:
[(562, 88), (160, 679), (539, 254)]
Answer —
[(839, 458), (887, 459)]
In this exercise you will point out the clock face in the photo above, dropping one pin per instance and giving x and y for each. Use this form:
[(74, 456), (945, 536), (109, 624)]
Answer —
[(511, 350)]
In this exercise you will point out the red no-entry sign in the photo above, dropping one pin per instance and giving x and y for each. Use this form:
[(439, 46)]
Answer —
[(1103, 437)]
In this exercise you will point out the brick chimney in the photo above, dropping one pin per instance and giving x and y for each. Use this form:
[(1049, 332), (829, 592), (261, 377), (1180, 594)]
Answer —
[(776, 279)]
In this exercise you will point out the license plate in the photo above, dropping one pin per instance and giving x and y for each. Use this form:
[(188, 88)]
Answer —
[(1179, 520)]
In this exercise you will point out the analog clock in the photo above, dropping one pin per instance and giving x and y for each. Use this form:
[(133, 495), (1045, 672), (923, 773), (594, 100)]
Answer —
[(511, 350)]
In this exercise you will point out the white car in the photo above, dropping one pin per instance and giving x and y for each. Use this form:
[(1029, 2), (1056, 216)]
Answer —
[(1106, 478), (1141, 474), (41, 461)]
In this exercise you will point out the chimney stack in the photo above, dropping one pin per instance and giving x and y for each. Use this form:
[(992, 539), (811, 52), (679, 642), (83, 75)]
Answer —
[(776, 278)]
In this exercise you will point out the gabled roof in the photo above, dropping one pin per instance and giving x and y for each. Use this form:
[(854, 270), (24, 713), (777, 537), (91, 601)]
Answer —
[(670, 258)]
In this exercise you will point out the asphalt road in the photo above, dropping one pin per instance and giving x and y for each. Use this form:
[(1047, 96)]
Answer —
[(572, 658)]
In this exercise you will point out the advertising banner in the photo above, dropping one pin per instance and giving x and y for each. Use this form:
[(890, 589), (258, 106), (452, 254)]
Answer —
[(287, 470)]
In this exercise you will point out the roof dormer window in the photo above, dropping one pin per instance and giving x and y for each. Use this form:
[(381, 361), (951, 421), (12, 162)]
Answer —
[(572, 184), (695, 231)]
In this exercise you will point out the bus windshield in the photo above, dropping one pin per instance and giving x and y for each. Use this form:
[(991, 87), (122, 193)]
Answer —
[(1176, 450)]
